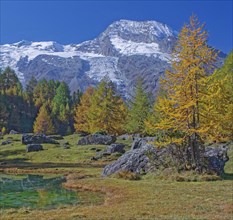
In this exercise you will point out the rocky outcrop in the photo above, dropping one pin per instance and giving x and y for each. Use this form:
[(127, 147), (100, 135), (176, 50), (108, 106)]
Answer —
[(144, 157), (33, 147), (37, 139), (97, 139)]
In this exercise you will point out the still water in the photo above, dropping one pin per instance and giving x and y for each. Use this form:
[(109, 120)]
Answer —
[(40, 192)]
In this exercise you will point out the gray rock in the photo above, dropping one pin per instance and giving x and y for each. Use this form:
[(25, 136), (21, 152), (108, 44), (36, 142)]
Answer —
[(135, 160), (97, 139), (37, 139), (116, 147), (217, 157), (13, 132), (6, 142), (33, 147)]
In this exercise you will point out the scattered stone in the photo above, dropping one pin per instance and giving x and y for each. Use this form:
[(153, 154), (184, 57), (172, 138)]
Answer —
[(37, 139), (97, 139), (6, 142), (14, 132), (116, 147), (33, 147)]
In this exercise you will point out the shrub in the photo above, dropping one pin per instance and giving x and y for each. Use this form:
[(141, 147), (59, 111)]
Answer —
[(127, 175)]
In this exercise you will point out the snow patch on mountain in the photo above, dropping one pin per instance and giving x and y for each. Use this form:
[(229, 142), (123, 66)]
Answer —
[(149, 28), (104, 67), (129, 47)]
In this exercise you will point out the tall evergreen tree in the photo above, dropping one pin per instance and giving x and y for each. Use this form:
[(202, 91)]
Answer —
[(181, 108), (9, 80), (44, 92), (31, 85), (61, 108), (138, 110)]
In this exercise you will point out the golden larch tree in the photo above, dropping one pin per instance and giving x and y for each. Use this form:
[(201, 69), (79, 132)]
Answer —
[(43, 123), (219, 103), (180, 108), (81, 112)]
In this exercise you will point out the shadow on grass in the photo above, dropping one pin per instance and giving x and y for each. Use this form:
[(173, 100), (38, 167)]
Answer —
[(7, 153), (227, 176), (22, 163)]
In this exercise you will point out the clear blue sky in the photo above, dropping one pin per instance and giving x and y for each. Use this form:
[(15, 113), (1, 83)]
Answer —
[(76, 21)]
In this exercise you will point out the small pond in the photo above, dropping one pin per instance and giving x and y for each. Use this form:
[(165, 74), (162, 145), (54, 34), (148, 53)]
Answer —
[(41, 192)]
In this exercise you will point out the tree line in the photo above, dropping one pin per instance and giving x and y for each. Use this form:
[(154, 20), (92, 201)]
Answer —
[(194, 101)]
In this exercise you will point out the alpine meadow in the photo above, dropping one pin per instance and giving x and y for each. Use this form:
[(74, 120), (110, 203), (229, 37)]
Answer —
[(134, 124)]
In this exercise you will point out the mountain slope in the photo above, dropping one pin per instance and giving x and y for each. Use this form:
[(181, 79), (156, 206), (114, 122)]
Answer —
[(125, 51)]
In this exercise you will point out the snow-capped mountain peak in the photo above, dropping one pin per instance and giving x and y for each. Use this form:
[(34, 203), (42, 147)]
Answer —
[(125, 51)]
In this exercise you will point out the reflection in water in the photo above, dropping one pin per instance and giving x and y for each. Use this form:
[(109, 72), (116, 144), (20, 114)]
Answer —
[(34, 191)]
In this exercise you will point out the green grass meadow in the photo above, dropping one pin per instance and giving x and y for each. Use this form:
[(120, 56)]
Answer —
[(147, 198)]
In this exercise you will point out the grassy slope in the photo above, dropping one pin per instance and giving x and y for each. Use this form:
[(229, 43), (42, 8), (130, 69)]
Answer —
[(148, 198)]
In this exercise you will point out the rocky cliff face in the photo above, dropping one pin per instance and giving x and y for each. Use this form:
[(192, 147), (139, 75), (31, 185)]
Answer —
[(125, 51)]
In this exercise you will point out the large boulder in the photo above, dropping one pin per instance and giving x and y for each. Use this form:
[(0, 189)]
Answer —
[(37, 139), (97, 139), (136, 160), (33, 147)]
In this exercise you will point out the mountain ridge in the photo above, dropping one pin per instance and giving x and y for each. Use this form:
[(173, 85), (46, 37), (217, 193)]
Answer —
[(125, 51)]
